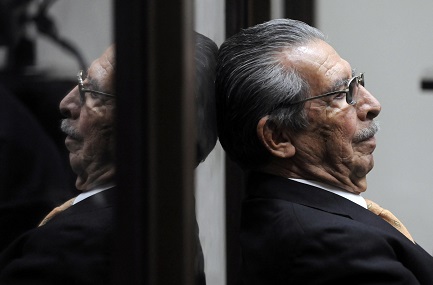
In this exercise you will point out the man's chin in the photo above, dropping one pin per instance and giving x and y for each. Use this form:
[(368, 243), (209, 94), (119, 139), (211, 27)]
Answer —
[(72, 145), (364, 167), (76, 164)]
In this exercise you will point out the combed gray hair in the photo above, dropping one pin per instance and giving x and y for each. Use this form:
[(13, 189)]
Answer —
[(253, 82), (205, 64)]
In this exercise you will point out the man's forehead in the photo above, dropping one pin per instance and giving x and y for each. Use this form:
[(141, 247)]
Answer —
[(315, 60), (104, 63), (315, 54), (101, 72)]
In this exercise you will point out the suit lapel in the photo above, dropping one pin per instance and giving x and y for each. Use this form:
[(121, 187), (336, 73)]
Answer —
[(97, 201), (270, 186)]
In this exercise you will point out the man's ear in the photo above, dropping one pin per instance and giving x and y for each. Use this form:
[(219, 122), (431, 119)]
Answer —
[(274, 139)]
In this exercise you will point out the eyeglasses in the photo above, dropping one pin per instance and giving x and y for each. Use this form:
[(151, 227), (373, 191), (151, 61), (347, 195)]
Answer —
[(84, 90), (351, 91)]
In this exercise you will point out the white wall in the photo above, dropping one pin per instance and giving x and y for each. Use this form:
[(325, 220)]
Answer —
[(210, 205), (87, 24), (392, 42)]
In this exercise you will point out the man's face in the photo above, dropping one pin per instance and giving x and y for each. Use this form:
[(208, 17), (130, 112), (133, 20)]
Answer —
[(89, 126), (334, 149)]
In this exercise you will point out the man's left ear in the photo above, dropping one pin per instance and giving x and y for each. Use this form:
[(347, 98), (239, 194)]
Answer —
[(276, 141)]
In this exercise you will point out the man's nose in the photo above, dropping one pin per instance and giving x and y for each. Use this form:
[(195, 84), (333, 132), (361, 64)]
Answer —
[(368, 106), (70, 105)]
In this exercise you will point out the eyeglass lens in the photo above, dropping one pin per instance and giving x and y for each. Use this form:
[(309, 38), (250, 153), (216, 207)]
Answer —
[(354, 88), (80, 85)]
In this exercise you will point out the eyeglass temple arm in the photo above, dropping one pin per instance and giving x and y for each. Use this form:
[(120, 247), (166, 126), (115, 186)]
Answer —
[(98, 92), (320, 96)]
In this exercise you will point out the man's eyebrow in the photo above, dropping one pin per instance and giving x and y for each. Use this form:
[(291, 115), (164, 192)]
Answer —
[(339, 83), (91, 83), (342, 82)]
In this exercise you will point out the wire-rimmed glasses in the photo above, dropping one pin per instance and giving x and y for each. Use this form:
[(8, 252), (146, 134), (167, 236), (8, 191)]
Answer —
[(83, 90), (351, 91)]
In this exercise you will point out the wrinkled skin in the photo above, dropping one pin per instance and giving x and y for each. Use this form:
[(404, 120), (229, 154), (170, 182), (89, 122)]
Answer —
[(90, 126), (330, 150)]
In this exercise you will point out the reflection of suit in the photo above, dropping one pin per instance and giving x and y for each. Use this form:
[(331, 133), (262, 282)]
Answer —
[(33, 175), (72, 248), (293, 233)]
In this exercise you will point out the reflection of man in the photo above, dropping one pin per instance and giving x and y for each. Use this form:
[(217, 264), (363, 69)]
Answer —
[(205, 62), (290, 109), (73, 247)]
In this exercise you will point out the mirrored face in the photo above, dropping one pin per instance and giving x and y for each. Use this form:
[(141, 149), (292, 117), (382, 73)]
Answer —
[(338, 145), (89, 125)]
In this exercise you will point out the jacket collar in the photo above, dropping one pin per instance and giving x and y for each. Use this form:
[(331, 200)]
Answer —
[(271, 186)]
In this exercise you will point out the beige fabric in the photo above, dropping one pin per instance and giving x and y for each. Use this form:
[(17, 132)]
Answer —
[(389, 217), (56, 210)]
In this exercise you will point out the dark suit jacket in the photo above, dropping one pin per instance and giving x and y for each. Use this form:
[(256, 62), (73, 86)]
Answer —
[(33, 175), (292, 233), (73, 248)]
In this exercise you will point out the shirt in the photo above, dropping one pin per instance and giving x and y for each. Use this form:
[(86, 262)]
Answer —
[(358, 199), (89, 193)]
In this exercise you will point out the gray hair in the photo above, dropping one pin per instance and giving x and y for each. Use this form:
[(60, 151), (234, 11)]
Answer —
[(253, 82), (205, 63)]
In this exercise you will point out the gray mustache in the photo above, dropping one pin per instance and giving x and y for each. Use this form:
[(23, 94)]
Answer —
[(368, 132), (69, 130)]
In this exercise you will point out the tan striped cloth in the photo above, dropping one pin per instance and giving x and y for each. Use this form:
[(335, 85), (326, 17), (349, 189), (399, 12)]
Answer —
[(389, 217), (56, 211)]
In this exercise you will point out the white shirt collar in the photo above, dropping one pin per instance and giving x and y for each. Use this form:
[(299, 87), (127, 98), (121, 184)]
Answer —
[(358, 199), (89, 193)]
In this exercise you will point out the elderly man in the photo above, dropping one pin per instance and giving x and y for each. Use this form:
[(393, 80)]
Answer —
[(72, 244), (291, 111)]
